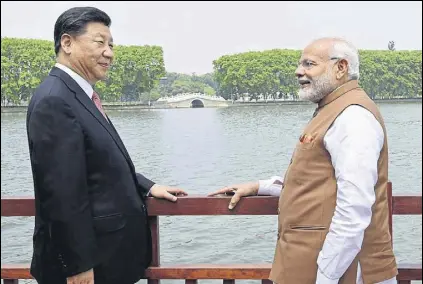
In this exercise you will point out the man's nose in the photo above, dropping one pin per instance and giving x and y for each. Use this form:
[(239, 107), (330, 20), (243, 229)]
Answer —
[(299, 72), (108, 53)]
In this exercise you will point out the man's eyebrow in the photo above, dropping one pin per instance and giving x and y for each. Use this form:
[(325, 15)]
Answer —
[(305, 59)]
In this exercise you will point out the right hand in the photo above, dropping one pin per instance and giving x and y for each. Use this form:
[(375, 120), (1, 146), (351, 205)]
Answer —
[(86, 277), (238, 191), (167, 192)]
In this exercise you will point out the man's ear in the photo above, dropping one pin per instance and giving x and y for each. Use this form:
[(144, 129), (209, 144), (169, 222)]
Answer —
[(342, 68), (66, 43)]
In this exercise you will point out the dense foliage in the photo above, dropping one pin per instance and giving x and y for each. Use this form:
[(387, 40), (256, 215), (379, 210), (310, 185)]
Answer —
[(25, 62), (384, 74), (138, 73)]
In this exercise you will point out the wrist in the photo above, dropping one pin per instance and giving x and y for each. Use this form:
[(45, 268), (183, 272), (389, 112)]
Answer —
[(153, 188), (255, 186)]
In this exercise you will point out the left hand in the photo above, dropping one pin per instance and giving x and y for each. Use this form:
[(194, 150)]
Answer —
[(167, 192)]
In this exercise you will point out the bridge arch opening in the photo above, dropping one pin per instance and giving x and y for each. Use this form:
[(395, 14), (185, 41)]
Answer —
[(197, 103)]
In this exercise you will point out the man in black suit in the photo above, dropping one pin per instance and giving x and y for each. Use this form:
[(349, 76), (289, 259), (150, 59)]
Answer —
[(91, 221)]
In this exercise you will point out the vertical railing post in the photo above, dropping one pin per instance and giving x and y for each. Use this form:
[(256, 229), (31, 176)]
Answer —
[(154, 227), (390, 205), (11, 281)]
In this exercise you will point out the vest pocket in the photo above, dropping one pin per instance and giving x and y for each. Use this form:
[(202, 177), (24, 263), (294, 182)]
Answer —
[(307, 227), (300, 247)]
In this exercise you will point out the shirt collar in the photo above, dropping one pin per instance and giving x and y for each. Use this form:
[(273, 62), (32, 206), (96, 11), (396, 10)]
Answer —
[(88, 89)]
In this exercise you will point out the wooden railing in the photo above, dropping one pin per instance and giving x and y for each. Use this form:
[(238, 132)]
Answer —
[(199, 205)]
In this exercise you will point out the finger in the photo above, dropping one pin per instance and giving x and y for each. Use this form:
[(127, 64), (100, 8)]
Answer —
[(221, 191), (234, 201), (177, 191), (170, 197)]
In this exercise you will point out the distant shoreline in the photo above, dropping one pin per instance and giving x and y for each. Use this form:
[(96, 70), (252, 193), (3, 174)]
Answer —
[(393, 101), (133, 106)]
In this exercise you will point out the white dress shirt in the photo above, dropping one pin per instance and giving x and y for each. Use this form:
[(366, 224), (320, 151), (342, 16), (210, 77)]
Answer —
[(88, 89), (354, 142)]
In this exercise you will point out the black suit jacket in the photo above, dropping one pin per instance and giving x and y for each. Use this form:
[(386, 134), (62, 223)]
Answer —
[(90, 202)]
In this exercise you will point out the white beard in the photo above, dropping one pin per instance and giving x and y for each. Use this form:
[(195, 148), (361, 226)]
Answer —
[(318, 88)]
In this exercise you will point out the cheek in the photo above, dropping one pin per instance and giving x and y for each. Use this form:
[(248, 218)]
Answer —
[(310, 75), (314, 75), (94, 60), (91, 55)]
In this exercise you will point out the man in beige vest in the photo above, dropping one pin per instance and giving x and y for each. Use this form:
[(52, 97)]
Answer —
[(333, 208)]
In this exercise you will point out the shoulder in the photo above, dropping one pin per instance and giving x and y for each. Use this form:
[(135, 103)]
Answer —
[(355, 125), (50, 89), (357, 118), (52, 85), (356, 112)]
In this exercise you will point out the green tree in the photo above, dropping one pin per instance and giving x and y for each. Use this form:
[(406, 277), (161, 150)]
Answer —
[(271, 74), (26, 62)]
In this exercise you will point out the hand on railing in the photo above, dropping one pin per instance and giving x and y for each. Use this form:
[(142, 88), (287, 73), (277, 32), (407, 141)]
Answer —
[(238, 191), (86, 277), (167, 192)]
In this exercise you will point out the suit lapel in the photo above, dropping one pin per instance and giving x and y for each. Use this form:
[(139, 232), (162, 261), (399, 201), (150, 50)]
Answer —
[(82, 97), (90, 106)]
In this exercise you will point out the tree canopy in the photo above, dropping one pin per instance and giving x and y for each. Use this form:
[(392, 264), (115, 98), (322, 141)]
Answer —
[(138, 73), (384, 74)]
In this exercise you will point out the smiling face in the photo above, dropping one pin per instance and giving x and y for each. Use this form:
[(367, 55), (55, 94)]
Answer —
[(90, 54), (319, 74)]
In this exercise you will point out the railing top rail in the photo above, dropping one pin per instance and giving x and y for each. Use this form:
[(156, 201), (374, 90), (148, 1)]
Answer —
[(404, 204), (207, 271)]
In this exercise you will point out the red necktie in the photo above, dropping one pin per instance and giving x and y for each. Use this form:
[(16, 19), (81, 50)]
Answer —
[(97, 102)]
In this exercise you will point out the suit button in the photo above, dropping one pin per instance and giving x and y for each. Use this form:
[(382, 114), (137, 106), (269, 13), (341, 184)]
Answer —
[(279, 210)]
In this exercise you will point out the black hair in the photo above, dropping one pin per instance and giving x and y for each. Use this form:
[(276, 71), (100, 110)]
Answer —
[(74, 22)]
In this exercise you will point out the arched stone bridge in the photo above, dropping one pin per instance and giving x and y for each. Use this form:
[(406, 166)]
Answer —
[(191, 101)]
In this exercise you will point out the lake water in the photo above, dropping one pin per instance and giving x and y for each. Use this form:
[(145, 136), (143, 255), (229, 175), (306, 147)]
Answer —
[(202, 150)]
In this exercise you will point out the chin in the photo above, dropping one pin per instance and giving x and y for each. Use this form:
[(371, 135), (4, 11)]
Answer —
[(308, 95), (102, 76)]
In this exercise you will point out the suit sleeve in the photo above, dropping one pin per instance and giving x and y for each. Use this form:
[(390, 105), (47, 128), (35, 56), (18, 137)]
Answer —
[(59, 169), (144, 184)]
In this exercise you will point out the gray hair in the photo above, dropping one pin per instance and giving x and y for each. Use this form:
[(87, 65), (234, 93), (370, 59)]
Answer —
[(343, 49)]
